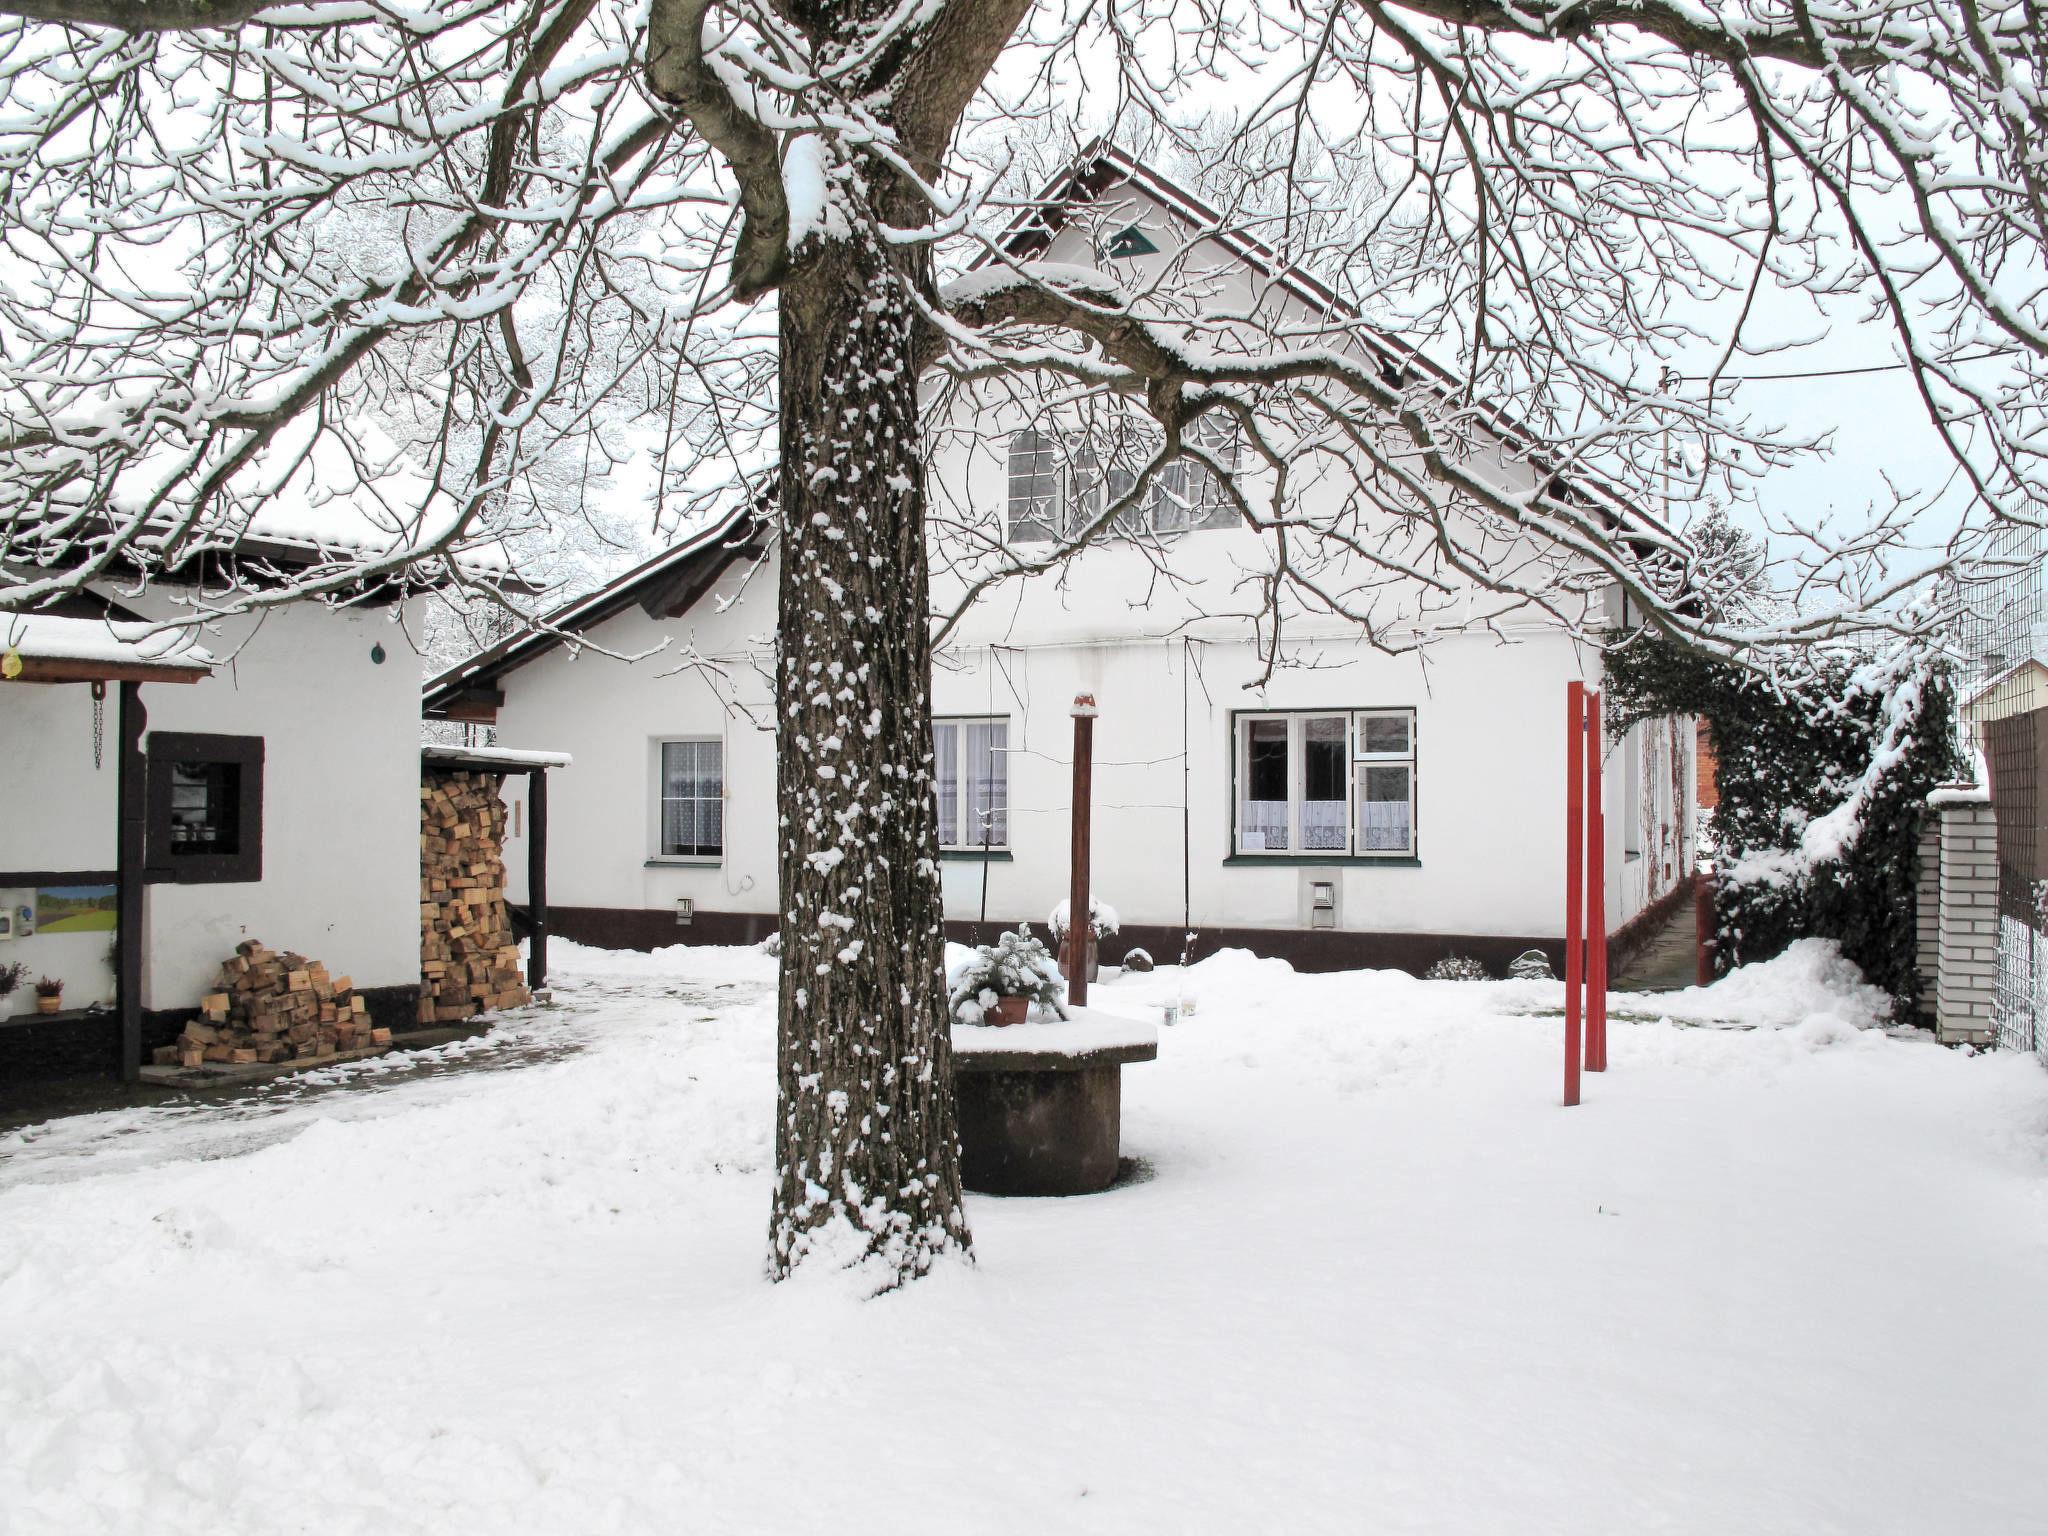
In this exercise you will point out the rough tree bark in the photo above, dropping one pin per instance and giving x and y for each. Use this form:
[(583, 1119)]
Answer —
[(867, 1152)]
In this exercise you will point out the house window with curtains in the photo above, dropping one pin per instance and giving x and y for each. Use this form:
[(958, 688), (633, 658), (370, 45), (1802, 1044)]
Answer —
[(971, 767), (691, 808), (1059, 484), (1334, 783)]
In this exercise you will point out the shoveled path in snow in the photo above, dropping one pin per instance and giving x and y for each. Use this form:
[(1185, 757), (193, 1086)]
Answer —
[(1781, 1279), (227, 1122)]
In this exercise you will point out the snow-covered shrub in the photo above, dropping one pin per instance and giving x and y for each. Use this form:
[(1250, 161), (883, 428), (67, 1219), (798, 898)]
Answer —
[(1016, 965), (1531, 965), (1102, 917), (1455, 968), (1825, 762), (1137, 960), (772, 945)]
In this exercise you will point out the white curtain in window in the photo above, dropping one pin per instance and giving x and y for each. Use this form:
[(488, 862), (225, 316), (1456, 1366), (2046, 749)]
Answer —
[(946, 771), (988, 784), (1325, 788), (1263, 825), (1263, 812), (1386, 809), (1322, 826), (692, 797)]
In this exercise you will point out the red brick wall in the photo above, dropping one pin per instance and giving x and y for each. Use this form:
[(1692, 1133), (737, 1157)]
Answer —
[(1709, 796)]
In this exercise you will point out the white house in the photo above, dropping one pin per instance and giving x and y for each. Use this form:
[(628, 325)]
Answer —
[(1375, 809), (275, 789)]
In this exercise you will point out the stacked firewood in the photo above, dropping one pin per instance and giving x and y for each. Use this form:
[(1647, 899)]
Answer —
[(274, 1006), (469, 960)]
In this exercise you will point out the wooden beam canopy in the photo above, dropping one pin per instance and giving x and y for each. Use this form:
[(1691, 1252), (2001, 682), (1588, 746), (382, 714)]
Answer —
[(69, 669)]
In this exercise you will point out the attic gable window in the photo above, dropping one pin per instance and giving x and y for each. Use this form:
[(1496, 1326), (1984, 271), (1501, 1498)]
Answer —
[(1035, 511), (1057, 487), (1131, 241), (1184, 495)]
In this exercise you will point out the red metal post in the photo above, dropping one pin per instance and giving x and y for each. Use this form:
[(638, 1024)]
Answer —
[(1574, 890), (1080, 919), (1596, 896)]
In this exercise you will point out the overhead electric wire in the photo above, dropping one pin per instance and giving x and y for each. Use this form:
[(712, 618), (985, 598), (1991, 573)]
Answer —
[(1818, 373)]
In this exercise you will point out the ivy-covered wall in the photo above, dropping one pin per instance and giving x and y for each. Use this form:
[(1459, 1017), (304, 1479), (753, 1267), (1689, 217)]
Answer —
[(1824, 768)]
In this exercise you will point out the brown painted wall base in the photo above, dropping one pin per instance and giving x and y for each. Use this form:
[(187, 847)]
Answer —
[(1305, 949), (91, 1046), (635, 928)]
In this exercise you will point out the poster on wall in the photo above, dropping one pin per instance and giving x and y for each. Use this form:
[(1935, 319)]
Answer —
[(77, 908)]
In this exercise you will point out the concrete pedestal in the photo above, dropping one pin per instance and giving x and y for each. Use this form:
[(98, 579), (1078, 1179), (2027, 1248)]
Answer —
[(1041, 1104)]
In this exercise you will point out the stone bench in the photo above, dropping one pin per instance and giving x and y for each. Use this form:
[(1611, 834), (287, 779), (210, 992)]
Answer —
[(1041, 1103)]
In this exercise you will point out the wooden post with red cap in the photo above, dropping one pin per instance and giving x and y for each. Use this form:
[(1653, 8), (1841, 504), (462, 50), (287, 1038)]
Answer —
[(1574, 879), (1080, 917)]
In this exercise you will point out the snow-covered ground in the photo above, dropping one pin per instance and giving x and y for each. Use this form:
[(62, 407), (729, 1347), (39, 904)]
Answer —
[(1788, 1277)]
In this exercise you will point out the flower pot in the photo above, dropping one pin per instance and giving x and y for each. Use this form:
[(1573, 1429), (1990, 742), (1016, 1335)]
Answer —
[(49, 1004), (1007, 1010), (1094, 963)]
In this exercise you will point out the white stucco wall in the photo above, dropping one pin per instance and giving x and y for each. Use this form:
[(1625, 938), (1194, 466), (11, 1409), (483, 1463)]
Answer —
[(1490, 773), (708, 676), (60, 815), (340, 810)]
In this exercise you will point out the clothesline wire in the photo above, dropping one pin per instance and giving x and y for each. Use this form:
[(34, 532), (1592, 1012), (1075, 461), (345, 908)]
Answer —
[(1100, 762)]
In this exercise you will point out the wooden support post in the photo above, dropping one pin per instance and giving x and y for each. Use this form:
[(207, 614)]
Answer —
[(1596, 895), (537, 876), (1574, 880), (1080, 917), (131, 801)]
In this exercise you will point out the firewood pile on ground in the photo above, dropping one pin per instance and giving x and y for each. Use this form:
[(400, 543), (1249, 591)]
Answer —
[(274, 1006)]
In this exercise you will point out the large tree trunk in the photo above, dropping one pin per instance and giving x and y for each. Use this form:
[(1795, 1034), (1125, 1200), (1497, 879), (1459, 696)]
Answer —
[(867, 1153)]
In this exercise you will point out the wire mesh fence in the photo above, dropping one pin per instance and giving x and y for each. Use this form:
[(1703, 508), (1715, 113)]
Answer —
[(2006, 718)]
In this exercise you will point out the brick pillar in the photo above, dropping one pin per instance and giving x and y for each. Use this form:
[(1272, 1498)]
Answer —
[(1927, 913), (1966, 979)]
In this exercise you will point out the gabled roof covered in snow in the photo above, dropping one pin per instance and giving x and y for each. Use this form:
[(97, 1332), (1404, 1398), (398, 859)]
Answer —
[(331, 515), (668, 584), (664, 587), (45, 648), (1101, 167)]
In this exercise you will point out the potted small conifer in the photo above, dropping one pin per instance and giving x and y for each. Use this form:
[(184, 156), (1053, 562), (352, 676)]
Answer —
[(1000, 982), (49, 994)]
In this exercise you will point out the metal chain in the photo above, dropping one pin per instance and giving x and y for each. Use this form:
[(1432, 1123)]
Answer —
[(99, 723)]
